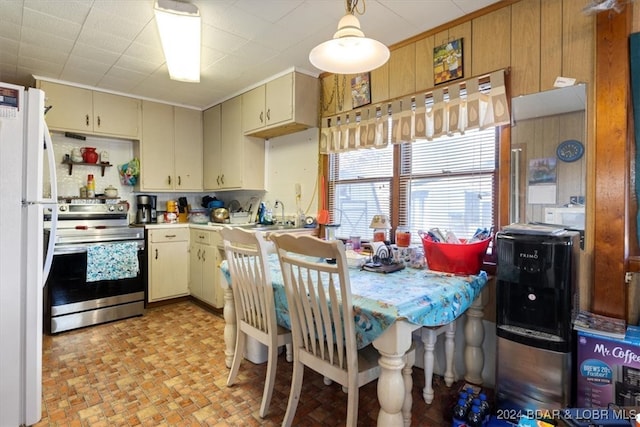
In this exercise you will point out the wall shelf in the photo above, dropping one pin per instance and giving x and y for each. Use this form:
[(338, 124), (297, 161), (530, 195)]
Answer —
[(100, 165)]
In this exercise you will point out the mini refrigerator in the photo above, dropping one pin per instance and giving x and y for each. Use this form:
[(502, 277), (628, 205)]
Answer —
[(536, 297)]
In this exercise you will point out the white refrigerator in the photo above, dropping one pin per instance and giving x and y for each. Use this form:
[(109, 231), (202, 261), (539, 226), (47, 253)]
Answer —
[(25, 146)]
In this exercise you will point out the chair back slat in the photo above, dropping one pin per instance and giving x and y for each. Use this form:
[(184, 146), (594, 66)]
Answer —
[(250, 278), (319, 297)]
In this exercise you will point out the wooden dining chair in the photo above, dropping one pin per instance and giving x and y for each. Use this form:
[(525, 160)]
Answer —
[(246, 254), (322, 320)]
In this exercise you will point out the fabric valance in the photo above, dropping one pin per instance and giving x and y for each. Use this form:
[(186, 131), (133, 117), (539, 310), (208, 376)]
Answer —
[(476, 103)]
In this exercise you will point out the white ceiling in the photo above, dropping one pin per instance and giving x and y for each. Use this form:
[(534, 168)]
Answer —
[(114, 45)]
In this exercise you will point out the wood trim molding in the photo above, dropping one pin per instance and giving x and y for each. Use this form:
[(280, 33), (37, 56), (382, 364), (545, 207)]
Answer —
[(611, 162)]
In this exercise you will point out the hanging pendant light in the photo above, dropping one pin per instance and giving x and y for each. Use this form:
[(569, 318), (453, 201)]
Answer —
[(349, 52)]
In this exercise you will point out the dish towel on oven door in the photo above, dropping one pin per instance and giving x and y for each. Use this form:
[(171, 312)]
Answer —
[(114, 261)]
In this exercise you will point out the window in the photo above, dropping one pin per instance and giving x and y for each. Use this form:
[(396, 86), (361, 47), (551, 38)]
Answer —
[(447, 183), (359, 187)]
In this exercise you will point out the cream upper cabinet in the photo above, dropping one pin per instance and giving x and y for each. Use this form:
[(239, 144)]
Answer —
[(240, 163), (188, 149), (253, 109), (171, 148), (82, 110), (281, 106), (212, 147), (156, 157)]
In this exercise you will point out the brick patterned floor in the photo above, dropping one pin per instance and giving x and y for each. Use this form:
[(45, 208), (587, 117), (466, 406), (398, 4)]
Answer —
[(167, 368)]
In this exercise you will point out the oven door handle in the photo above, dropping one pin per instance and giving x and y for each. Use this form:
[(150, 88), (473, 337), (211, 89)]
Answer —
[(82, 248)]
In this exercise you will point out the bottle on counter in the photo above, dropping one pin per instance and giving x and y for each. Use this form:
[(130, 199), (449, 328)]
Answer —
[(91, 186)]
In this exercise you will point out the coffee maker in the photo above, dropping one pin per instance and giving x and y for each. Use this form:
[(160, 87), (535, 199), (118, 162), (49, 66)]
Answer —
[(154, 212), (146, 212)]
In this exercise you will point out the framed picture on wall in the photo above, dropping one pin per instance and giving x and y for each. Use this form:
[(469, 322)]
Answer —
[(361, 90), (447, 61)]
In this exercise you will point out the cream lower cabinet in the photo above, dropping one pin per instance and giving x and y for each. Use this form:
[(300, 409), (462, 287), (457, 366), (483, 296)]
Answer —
[(204, 281), (171, 148), (168, 256), (87, 111)]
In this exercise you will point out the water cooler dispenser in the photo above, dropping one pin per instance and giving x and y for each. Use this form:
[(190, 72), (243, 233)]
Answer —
[(536, 296)]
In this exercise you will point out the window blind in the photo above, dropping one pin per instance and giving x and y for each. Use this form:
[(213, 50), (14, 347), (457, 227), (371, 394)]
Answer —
[(449, 183)]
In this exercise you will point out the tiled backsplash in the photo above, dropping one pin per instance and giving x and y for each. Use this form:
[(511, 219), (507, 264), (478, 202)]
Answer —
[(120, 152)]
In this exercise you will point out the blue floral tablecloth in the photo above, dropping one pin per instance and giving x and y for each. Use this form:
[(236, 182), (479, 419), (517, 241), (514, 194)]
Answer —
[(423, 297)]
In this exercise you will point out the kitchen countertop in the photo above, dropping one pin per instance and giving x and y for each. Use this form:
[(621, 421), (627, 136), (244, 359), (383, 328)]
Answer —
[(214, 226)]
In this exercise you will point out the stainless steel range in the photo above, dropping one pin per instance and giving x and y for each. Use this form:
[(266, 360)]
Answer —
[(98, 272)]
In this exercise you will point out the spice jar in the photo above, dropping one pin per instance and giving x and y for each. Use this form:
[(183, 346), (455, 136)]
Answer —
[(403, 236)]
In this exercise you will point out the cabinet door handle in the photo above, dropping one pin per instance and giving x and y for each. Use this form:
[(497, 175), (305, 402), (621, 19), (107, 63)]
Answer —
[(98, 121), (269, 114), (86, 119), (179, 180), (261, 117), (169, 236), (199, 253), (169, 178), (156, 253), (203, 252), (218, 179), (222, 179)]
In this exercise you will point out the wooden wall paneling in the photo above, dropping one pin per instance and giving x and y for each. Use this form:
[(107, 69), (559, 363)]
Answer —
[(550, 42), (504, 178), (463, 31), (525, 50), (402, 66), (491, 35), (328, 95), (611, 163), (577, 40), (424, 63), (380, 84)]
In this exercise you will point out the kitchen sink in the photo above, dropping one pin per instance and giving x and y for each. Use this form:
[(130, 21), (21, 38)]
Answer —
[(264, 227)]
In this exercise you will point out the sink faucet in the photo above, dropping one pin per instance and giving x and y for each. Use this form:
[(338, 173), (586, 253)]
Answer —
[(281, 205)]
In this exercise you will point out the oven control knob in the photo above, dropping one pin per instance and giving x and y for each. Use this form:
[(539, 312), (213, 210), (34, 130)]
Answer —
[(111, 209), (120, 208), (63, 208)]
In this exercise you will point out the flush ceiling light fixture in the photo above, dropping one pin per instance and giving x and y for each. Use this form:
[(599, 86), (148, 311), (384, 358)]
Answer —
[(349, 52), (179, 27)]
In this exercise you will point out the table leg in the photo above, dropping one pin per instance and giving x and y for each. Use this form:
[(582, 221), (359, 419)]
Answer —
[(429, 337), (474, 337), (229, 313), (409, 361), (449, 347), (392, 346)]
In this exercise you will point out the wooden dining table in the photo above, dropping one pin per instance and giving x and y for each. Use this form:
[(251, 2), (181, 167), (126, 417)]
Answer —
[(388, 308)]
